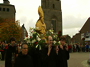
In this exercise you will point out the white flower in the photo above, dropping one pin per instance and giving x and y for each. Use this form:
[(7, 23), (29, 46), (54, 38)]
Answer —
[(54, 42), (38, 35), (37, 46), (31, 28), (38, 39), (33, 41), (59, 42), (51, 31)]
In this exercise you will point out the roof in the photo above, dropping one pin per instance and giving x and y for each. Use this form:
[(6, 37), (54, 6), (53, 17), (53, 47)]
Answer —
[(86, 26), (6, 4)]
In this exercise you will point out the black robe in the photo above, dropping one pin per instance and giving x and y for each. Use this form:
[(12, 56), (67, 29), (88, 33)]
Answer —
[(23, 61), (48, 61), (63, 56), (35, 53)]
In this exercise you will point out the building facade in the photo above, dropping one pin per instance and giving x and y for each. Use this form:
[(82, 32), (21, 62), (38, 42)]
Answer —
[(7, 11), (84, 33), (53, 14)]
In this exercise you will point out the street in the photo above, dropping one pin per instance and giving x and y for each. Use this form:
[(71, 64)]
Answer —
[(76, 60)]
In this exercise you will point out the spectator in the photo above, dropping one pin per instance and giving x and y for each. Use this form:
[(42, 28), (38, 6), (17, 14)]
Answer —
[(11, 53), (3, 50)]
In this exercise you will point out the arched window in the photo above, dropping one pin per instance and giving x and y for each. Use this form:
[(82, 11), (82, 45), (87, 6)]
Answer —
[(0, 8), (53, 6), (53, 24)]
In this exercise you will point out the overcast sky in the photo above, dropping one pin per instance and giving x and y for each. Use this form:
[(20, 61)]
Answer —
[(74, 13)]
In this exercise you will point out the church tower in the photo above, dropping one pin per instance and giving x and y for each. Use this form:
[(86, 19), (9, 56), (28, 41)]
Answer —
[(53, 14), (7, 11)]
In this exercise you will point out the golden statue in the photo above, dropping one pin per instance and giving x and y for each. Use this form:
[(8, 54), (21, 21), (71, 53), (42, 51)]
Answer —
[(40, 25)]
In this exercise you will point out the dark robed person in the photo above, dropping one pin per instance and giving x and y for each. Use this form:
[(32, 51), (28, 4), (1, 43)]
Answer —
[(49, 54), (11, 53), (63, 54), (23, 59)]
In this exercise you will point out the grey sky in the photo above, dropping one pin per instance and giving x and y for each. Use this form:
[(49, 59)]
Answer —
[(74, 13)]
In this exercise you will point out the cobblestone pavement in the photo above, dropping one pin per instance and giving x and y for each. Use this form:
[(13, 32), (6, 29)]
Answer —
[(79, 59), (76, 60)]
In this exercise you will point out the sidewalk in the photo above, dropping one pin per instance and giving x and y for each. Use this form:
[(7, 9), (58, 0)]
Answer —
[(2, 63)]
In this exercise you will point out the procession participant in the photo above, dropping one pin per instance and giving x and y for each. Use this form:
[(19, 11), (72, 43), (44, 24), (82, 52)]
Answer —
[(23, 59), (63, 53), (49, 54)]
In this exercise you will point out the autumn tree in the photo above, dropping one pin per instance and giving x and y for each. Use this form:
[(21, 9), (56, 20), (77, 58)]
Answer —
[(9, 29)]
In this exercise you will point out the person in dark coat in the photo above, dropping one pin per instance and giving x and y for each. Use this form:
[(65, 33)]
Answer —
[(3, 50), (10, 54), (23, 59), (36, 56), (63, 54), (49, 54)]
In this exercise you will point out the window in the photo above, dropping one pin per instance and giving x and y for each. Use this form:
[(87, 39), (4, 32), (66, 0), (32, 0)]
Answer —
[(7, 9), (53, 23), (0, 8), (53, 6), (3, 9)]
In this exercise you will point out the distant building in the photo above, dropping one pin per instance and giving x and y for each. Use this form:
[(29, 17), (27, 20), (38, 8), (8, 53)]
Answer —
[(77, 38), (84, 33), (53, 14), (7, 11), (86, 30)]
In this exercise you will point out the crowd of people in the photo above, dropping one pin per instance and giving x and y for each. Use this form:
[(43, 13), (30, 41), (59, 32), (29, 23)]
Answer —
[(49, 56), (79, 48)]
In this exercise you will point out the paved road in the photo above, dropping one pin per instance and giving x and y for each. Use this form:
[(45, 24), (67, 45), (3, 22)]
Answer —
[(76, 60), (2, 63), (79, 59)]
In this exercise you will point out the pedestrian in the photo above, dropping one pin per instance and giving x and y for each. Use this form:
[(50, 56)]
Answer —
[(3, 50)]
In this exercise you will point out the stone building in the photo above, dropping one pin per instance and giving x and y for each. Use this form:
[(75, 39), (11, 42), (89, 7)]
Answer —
[(7, 11), (77, 38), (53, 14)]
